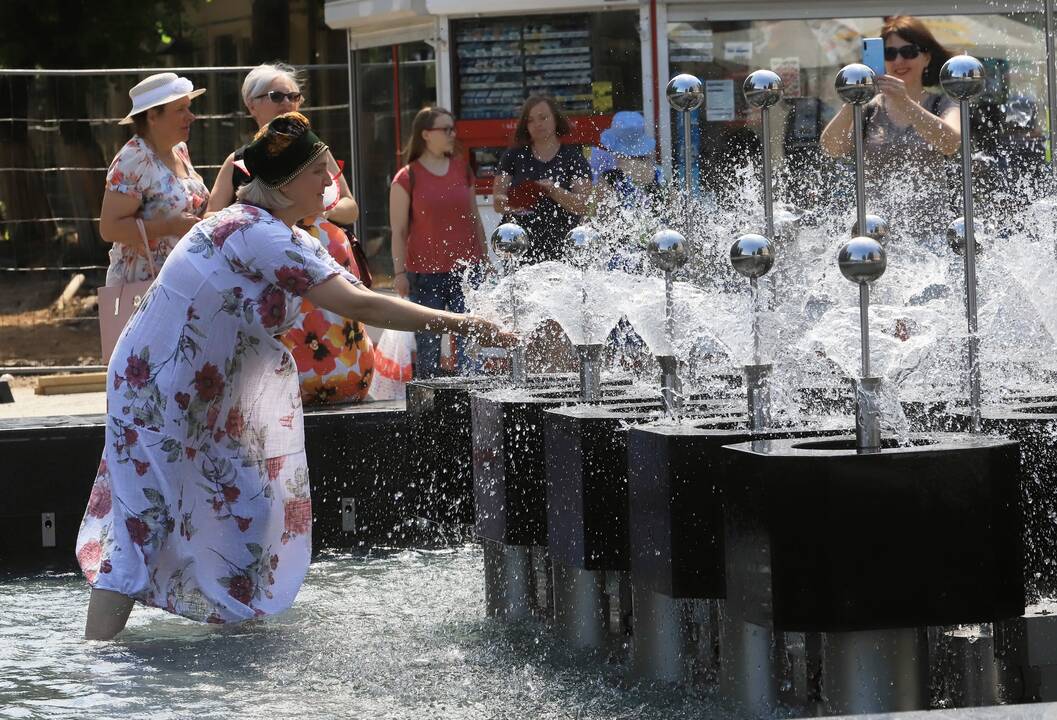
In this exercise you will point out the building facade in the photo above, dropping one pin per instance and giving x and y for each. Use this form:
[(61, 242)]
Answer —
[(481, 59)]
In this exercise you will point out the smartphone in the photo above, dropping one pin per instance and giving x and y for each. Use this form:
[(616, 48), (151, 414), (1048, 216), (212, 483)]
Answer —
[(873, 55)]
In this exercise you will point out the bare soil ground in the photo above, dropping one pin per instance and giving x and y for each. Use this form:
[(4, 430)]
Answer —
[(33, 332)]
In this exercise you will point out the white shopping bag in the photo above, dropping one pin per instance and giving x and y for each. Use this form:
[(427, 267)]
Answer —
[(394, 365)]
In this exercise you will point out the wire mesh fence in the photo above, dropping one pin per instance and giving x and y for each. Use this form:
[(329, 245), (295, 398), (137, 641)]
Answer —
[(59, 132)]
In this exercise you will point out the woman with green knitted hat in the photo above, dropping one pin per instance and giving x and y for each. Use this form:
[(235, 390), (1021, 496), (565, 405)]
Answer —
[(201, 502)]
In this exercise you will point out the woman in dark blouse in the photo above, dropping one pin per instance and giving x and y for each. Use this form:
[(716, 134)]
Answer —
[(542, 184)]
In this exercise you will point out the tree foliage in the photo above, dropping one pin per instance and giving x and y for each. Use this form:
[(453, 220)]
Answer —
[(86, 33)]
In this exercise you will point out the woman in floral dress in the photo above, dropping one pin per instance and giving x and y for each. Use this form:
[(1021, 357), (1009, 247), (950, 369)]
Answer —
[(151, 178), (334, 355), (201, 502)]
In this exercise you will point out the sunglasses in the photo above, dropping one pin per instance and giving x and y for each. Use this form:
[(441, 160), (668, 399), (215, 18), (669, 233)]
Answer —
[(450, 130), (277, 96), (907, 52)]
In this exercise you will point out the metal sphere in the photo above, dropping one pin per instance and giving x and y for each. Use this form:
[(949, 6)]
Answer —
[(876, 228), (752, 255), (856, 84), (667, 250), (956, 237), (581, 242), (862, 260), (685, 93), (763, 89), (962, 77), (510, 239)]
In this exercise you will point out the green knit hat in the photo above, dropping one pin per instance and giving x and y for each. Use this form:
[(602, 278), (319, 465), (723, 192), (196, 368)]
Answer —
[(282, 149)]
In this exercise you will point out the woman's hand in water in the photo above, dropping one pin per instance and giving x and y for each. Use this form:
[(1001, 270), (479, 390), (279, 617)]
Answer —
[(488, 334)]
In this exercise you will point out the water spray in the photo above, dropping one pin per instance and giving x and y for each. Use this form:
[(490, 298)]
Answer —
[(511, 241)]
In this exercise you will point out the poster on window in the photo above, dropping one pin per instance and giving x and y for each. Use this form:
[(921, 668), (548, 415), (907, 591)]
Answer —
[(788, 68), (719, 100)]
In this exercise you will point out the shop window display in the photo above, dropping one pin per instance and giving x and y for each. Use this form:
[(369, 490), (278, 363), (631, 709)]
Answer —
[(589, 62)]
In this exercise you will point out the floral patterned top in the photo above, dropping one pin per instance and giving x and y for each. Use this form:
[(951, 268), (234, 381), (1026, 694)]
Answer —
[(334, 355), (138, 172), (201, 503)]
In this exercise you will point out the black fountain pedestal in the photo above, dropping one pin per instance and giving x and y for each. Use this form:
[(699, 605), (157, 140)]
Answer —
[(510, 495), (439, 420), (587, 509), (676, 479), (868, 549), (1027, 645)]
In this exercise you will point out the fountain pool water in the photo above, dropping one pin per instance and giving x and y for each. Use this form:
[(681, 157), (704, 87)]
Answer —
[(398, 634)]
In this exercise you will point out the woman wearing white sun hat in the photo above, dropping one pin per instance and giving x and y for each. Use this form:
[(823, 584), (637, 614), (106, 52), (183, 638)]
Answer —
[(152, 179)]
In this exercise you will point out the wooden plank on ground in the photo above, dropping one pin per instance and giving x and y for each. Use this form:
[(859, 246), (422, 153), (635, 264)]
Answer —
[(69, 384)]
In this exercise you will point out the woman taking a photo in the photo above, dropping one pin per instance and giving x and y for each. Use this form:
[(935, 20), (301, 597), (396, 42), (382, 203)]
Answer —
[(152, 179), (437, 231), (541, 184), (201, 502), (910, 129), (334, 355)]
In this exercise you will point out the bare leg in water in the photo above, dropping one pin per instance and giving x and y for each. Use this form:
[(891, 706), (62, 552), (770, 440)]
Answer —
[(107, 614)]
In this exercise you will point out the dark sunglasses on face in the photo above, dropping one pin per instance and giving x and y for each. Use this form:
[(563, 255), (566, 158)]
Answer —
[(277, 96), (907, 52), (446, 130)]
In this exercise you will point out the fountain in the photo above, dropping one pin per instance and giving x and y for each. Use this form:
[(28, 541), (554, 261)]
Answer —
[(510, 241), (667, 252), (962, 78)]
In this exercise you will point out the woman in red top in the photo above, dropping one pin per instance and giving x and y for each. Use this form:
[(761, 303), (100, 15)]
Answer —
[(437, 231)]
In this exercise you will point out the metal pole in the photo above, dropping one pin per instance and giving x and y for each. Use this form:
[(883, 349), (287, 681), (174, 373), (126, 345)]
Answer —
[(864, 327), (687, 141), (970, 267), (1051, 81), (669, 309), (768, 188), (754, 286), (860, 170)]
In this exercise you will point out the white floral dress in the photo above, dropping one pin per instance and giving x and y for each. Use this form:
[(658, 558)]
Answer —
[(201, 502), (138, 172)]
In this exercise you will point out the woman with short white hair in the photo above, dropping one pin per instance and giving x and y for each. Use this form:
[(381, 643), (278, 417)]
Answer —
[(268, 91), (201, 502)]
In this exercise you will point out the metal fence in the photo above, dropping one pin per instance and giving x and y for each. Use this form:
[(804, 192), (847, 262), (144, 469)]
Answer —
[(59, 132)]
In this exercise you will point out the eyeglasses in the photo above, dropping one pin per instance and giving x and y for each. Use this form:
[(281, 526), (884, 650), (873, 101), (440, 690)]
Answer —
[(277, 96), (449, 130), (907, 52)]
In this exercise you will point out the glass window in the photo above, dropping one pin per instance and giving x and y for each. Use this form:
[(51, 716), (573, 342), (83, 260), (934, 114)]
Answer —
[(808, 54), (392, 84), (589, 62)]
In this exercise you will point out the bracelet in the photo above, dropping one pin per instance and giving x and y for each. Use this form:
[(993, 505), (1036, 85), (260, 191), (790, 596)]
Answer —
[(402, 272)]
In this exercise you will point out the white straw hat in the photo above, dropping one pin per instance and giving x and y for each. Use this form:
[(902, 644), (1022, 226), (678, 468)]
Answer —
[(157, 90)]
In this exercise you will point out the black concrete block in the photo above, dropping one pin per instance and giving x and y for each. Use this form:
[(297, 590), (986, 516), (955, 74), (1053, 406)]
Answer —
[(587, 479), (821, 538), (510, 486), (676, 480)]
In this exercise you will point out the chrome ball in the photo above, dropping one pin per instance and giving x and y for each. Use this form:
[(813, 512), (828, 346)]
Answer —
[(876, 228), (962, 77), (752, 255), (856, 84), (667, 250), (862, 260), (762, 89), (685, 93), (510, 239), (581, 239), (956, 237)]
